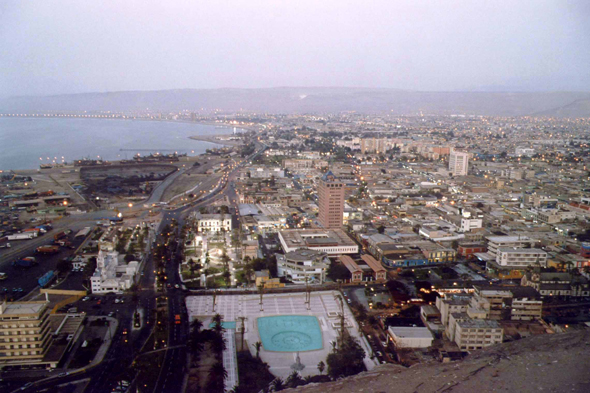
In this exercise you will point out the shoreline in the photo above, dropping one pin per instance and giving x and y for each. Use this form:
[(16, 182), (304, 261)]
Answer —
[(204, 138), (213, 139)]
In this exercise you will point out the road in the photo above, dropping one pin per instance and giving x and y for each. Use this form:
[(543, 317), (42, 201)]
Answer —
[(124, 347), (157, 192), (173, 370)]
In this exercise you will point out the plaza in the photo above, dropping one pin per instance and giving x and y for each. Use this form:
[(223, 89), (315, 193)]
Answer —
[(285, 324)]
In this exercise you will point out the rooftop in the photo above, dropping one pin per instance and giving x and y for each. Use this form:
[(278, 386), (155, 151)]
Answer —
[(22, 308), (410, 332)]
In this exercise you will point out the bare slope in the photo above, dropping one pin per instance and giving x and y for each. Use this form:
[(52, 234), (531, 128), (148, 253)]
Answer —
[(548, 363), (313, 100)]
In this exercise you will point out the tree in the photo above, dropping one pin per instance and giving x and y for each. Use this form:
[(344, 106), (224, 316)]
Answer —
[(347, 359), (195, 337), (278, 384), (294, 380), (217, 376), (257, 345), (321, 367)]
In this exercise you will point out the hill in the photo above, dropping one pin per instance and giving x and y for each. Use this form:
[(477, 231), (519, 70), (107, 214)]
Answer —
[(314, 100), (548, 363)]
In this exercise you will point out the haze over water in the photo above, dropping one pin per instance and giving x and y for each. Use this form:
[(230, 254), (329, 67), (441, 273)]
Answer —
[(23, 141)]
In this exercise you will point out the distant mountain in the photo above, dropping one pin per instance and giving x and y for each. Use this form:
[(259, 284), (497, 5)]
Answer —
[(315, 100)]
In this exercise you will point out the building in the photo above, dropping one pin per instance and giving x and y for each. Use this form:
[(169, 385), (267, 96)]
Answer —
[(524, 151), (467, 250), (520, 258), (356, 273), (410, 337), (330, 201), (556, 284), (112, 274), (263, 280), (471, 334), (452, 303), (495, 242), (303, 266), (25, 331), (332, 242), (373, 145), (213, 222), (379, 272), (467, 224), (458, 163)]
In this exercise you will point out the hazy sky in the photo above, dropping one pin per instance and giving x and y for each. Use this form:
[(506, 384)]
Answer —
[(51, 47)]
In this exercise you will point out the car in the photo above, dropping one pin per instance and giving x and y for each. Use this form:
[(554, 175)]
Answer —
[(111, 313), (85, 298), (117, 301), (62, 374), (176, 286)]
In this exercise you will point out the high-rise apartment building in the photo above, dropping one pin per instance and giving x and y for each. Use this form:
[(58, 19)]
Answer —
[(25, 331), (458, 163), (373, 145), (331, 201)]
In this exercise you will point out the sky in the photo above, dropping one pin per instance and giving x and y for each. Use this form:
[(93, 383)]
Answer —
[(57, 47)]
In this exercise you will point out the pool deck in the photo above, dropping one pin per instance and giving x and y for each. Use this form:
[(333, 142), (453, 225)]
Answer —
[(324, 306)]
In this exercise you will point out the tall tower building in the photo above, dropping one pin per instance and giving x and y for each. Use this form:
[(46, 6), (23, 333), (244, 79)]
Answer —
[(458, 163), (331, 201)]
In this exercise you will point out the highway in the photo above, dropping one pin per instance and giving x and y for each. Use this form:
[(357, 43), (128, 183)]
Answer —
[(173, 370), (124, 348)]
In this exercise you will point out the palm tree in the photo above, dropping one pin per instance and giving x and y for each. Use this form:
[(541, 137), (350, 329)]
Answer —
[(217, 376), (278, 384), (321, 366), (257, 345), (294, 380), (218, 321), (195, 343)]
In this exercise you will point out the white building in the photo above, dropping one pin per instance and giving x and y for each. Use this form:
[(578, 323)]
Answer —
[(458, 163), (112, 274), (524, 151), (471, 334), (330, 241), (300, 265), (520, 257), (467, 224), (495, 242), (410, 337), (213, 222)]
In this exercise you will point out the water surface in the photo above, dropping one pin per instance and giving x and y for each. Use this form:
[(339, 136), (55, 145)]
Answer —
[(27, 142)]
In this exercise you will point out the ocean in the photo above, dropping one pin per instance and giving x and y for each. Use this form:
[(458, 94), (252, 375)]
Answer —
[(25, 143)]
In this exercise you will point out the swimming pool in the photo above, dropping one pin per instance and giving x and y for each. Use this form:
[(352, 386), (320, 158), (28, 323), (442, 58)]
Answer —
[(290, 333), (224, 324)]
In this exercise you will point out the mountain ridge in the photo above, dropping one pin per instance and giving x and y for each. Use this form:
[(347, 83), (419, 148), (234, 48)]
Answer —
[(293, 100)]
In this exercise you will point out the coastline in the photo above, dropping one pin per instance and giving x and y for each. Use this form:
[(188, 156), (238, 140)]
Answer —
[(213, 139), (224, 129)]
